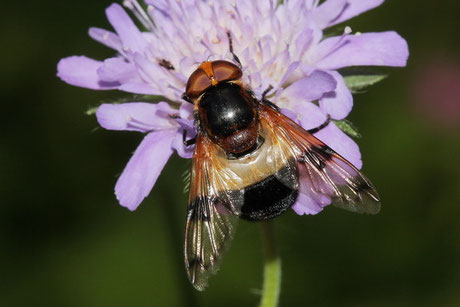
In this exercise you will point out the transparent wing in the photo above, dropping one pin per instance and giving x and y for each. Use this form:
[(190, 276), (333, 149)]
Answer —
[(211, 214), (324, 175)]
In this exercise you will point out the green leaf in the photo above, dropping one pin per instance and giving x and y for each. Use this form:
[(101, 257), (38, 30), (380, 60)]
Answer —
[(137, 98), (347, 127), (358, 79)]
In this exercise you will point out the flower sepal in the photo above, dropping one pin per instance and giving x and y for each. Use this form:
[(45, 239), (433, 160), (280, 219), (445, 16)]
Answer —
[(358, 79), (348, 127)]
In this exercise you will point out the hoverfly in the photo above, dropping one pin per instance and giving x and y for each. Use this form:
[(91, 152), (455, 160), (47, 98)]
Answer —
[(251, 162)]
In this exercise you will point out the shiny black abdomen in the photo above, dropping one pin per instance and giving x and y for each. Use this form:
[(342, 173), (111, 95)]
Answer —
[(269, 197), (225, 109)]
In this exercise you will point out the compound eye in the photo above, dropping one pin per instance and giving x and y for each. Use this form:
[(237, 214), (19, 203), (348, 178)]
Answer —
[(197, 84), (225, 71)]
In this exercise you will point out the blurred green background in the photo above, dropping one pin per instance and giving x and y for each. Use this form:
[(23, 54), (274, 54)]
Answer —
[(64, 240)]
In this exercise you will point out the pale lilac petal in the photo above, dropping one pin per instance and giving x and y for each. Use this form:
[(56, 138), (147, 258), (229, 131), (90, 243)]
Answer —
[(368, 49), (149, 70), (304, 40), (106, 38), (288, 73), (128, 32), (82, 71), (328, 11), (140, 88), (290, 114), (143, 169), (136, 116), (310, 201), (354, 8), (309, 115), (118, 70), (338, 103), (307, 205), (186, 112), (341, 143), (310, 88)]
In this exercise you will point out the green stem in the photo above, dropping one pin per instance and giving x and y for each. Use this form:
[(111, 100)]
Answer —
[(272, 269)]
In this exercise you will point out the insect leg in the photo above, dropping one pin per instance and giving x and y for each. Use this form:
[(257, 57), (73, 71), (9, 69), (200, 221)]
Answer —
[(230, 46), (264, 94), (320, 127), (185, 97), (174, 116), (270, 104), (187, 142)]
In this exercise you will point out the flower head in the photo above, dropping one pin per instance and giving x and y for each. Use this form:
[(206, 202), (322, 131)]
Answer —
[(279, 45)]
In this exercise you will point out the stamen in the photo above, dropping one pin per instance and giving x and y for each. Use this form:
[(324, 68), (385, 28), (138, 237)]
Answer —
[(340, 42), (150, 9), (175, 89), (287, 74), (107, 38), (313, 4), (140, 14)]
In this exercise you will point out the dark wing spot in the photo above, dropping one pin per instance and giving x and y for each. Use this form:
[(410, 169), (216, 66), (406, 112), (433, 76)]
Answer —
[(199, 212), (318, 157)]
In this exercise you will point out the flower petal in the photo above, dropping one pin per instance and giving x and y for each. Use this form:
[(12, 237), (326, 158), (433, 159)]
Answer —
[(307, 205), (186, 110), (287, 74), (338, 103), (354, 8), (328, 11), (82, 71), (309, 115), (303, 41), (117, 70), (106, 38), (341, 143), (128, 32), (136, 116), (143, 168), (372, 49), (310, 88), (149, 71), (140, 88), (292, 115)]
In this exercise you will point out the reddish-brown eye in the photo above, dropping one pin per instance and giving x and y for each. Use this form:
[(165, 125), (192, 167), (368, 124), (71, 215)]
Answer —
[(226, 71), (197, 84)]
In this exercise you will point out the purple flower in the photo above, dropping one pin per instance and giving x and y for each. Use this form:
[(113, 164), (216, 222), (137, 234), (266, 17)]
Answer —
[(279, 45)]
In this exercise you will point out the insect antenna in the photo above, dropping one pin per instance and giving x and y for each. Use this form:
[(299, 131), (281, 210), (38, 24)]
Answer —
[(230, 46)]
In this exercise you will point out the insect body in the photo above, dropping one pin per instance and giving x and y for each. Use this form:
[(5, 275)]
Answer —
[(252, 162)]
